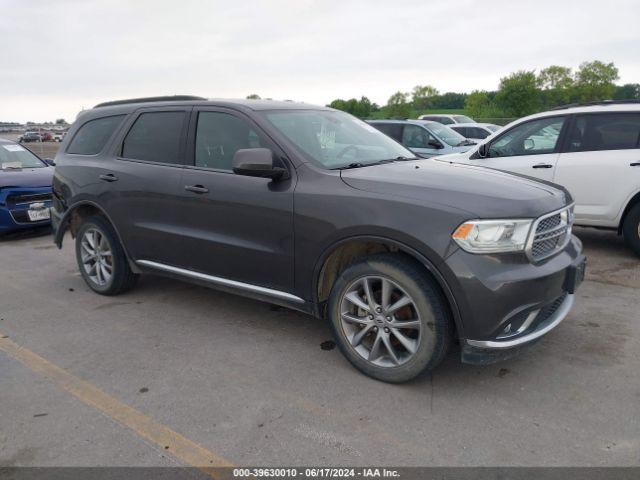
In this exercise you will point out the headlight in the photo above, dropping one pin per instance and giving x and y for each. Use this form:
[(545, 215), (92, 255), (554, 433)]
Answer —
[(493, 236)]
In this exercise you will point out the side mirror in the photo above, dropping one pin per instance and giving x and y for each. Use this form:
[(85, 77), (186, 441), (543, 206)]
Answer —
[(257, 162), (434, 144), (50, 162), (483, 150)]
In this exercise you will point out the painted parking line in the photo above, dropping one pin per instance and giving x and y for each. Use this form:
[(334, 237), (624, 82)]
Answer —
[(146, 427)]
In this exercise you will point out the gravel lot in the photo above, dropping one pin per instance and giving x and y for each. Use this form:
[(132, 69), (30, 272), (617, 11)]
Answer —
[(250, 383)]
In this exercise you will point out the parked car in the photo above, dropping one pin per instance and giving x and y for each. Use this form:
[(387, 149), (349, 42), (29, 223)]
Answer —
[(476, 132), (30, 137), (59, 136), (423, 138), (46, 136), (311, 208), (447, 119), (25, 188), (592, 150)]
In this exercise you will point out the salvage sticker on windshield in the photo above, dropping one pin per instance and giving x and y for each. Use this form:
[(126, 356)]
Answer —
[(13, 148)]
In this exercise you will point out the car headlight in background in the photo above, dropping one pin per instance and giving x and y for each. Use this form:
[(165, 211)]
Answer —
[(493, 236)]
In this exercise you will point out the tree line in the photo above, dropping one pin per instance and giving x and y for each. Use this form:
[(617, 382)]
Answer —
[(521, 93)]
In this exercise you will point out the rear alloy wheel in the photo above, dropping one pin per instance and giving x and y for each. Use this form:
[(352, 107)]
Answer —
[(97, 257), (389, 318), (631, 229), (101, 259)]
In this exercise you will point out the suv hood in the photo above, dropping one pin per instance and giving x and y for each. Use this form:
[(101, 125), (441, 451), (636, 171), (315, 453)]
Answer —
[(481, 191), (28, 177)]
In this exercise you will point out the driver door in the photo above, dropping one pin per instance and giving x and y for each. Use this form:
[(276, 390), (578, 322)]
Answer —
[(530, 148)]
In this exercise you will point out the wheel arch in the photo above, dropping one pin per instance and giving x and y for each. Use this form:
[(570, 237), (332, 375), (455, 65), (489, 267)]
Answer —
[(73, 217), (635, 199), (346, 251)]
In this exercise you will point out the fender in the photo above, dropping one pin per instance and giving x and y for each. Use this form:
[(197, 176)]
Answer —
[(63, 226), (426, 262)]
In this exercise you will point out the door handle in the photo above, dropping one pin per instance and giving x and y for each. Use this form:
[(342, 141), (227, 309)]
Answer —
[(543, 165), (634, 164), (196, 189), (109, 177)]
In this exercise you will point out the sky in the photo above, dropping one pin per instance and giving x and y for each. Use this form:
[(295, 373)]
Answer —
[(58, 57)]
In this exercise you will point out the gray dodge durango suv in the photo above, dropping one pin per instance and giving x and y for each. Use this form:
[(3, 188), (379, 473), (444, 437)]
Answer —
[(313, 209)]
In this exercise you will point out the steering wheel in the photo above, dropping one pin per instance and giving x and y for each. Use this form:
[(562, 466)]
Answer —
[(344, 151)]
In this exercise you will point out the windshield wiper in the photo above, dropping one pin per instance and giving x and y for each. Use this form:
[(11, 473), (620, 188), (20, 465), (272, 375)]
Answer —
[(377, 162)]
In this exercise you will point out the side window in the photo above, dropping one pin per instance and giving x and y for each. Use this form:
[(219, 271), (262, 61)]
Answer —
[(155, 137), (476, 132), (461, 130), (414, 136), (531, 138), (393, 130), (444, 120), (611, 131), (94, 135), (219, 136)]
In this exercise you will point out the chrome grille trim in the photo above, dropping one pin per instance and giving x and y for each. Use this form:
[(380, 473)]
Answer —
[(550, 234)]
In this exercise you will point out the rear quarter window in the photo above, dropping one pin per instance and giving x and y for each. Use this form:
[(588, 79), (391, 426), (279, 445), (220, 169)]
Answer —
[(91, 137)]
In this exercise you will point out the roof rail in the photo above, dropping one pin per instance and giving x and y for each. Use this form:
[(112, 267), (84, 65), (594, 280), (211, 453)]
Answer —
[(599, 102), (171, 98)]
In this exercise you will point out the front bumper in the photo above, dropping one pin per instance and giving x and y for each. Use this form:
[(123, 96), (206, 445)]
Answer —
[(507, 303), (15, 203)]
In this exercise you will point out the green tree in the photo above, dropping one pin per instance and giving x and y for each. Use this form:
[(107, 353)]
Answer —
[(449, 100), (596, 81), (360, 108), (557, 85), (61, 121), (398, 106), (422, 95), (478, 104), (628, 91), (253, 96), (518, 94)]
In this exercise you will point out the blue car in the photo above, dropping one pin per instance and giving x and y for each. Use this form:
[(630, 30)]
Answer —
[(25, 188)]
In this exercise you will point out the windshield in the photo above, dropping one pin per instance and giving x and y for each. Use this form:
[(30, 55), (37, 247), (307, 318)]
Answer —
[(463, 119), (13, 156), (335, 139), (446, 134)]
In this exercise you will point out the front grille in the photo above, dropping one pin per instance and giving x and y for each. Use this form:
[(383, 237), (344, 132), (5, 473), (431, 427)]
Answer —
[(18, 199), (552, 232)]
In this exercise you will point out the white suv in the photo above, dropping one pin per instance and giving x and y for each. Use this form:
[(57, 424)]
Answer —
[(592, 150)]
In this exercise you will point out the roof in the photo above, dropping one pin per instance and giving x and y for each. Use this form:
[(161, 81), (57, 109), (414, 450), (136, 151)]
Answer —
[(474, 124), (600, 107), (411, 121)]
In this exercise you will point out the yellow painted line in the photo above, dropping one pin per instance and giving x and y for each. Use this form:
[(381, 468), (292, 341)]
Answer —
[(146, 427)]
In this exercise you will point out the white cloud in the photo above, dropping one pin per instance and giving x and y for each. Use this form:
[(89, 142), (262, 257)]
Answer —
[(60, 56)]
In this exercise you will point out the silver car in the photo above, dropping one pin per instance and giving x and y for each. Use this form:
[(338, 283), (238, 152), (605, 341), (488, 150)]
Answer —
[(424, 138), (476, 132)]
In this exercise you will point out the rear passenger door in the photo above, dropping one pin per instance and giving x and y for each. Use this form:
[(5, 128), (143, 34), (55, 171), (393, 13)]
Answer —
[(144, 183), (600, 165), (236, 227)]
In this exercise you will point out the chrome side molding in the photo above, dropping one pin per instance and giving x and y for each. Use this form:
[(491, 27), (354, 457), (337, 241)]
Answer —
[(221, 281)]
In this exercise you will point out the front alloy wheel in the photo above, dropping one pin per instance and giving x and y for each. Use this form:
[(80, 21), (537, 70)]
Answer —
[(381, 321), (389, 317)]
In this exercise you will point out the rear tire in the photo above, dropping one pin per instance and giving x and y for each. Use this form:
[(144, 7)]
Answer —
[(101, 259), (631, 229), (386, 342)]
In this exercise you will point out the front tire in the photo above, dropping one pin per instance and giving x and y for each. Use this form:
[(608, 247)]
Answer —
[(101, 259), (631, 229), (389, 318)]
